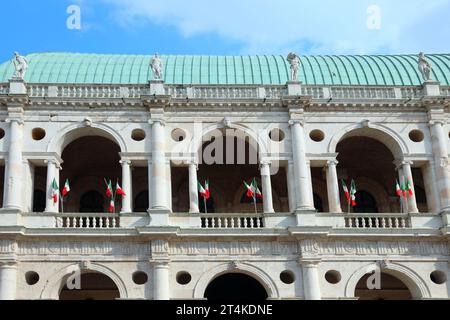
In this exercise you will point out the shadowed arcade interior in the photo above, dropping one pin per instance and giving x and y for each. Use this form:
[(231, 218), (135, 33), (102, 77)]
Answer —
[(235, 286)]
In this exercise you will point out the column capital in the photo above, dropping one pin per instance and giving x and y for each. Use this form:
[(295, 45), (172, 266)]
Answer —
[(332, 162), (52, 161), (18, 120), (264, 163), (125, 162), (193, 163), (160, 263), (310, 262), (293, 122), (433, 122), (161, 121), (400, 163)]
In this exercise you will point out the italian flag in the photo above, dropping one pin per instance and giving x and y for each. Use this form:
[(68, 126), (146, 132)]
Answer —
[(119, 190), (346, 192), (66, 188), (111, 206), (398, 190), (204, 191), (353, 193), (55, 190), (409, 189), (109, 190), (253, 190)]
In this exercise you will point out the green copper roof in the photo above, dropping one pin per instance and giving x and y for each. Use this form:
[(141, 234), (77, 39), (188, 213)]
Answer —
[(316, 70)]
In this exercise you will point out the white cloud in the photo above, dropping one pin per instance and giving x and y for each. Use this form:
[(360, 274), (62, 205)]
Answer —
[(322, 26)]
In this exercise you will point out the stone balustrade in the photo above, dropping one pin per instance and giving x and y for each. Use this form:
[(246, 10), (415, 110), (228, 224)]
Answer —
[(87, 221), (243, 221), (377, 221), (227, 92)]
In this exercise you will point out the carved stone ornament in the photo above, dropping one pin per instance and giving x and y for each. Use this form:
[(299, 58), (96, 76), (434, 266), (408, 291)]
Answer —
[(226, 122), (233, 265), (87, 122)]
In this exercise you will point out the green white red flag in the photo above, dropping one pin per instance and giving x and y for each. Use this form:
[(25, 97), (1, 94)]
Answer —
[(119, 190), (253, 190), (346, 192), (409, 189), (398, 190), (66, 188), (111, 206), (109, 190), (353, 193), (55, 191), (204, 191)]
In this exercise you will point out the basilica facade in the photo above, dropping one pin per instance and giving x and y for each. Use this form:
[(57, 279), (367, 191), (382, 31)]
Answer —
[(303, 130)]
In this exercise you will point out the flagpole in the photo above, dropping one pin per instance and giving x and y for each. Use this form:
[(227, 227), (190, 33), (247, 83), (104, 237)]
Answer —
[(254, 202), (61, 198), (204, 202)]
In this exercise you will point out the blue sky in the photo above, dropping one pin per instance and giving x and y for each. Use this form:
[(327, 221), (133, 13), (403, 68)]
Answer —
[(227, 27)]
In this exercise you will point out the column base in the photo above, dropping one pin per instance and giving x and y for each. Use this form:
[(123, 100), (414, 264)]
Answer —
[(159, 210), (11, 209), (159, 217)]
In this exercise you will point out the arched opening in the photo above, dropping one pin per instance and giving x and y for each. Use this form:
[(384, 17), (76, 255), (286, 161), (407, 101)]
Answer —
[(92, 201), (365, 203), (369, 163), (235, 286), (141, 202), (87, 162), (39, 198), (391, 288), (94, 286)]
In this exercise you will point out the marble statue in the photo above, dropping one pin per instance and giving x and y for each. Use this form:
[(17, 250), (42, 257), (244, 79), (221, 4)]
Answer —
[(294, 61), (424, 67), (20, 64), (157, 67)]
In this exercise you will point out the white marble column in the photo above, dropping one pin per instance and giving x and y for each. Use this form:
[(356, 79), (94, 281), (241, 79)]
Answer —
[(266, 187), (334, 201), (161, 281), (193, 188), (52, 173), (439, 143), (8, 280), (14, 169), (429, 177), (28, 186), (159, 179), (311, 282), (405, 175), (301, 174), (126, 186), (150, 184), (291, 185)]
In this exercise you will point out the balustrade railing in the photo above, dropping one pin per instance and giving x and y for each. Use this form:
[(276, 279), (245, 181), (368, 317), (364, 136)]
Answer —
[(374, 221), (218, 221), (87, 221)]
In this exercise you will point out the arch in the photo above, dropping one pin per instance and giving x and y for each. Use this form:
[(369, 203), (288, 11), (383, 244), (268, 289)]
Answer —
[(197, 141), (409, 277), (376, 191), (236, 267), (381, 133), (73, 132), (55, 283)]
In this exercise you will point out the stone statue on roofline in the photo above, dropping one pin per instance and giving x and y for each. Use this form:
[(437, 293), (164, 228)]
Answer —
[(20, 65), (425, 67), (157, 66), (295, 62)]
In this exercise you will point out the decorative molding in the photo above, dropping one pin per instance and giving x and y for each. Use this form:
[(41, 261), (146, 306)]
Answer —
[(313, 248)]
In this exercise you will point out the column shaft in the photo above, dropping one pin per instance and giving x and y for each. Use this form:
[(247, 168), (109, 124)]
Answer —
[(439, 142), (311, 281), (334, 201), (161, 288), (266, 187), (8, 281), (193, 188), (52, 174), (126, 186), (159, 187), (406, 176), (291, 186), (14, 171), (429, 177)]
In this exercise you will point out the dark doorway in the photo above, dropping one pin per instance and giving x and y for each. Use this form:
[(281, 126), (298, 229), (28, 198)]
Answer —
[(235, 286), (141, 202), (391, 289), (92, 202), (318, 203), (39, 199), (365, 203), (94, 286), (209, 204)]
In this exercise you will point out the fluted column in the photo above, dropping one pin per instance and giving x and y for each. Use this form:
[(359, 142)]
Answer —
[(193, 188), (266, 187), (8, 280), (334, 201), (126, 186), (159, 179), (291, 185), (52, 174), (440, 152), (405, 175), (14, 168), (301, 174), (161, 284), (311, 281)]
